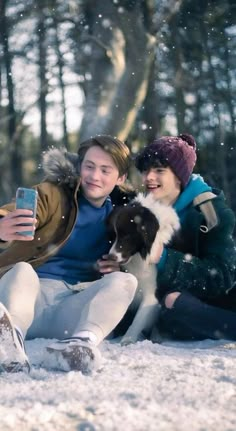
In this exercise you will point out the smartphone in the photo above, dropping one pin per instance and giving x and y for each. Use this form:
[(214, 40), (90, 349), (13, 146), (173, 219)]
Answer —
[(27, 199)]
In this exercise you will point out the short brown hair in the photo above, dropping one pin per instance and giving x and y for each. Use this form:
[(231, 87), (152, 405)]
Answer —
[(117, 149)]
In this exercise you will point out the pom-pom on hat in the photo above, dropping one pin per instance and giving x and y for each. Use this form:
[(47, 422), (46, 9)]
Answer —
[(177, 152)]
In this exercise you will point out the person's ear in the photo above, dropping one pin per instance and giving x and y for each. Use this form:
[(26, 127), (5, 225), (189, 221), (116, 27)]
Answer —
[(121, 180)]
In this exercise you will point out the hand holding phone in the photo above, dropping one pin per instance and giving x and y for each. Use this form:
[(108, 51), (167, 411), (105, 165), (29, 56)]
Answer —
[(12, 224), (26, 199)]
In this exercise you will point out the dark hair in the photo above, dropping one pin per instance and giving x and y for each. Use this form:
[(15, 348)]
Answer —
[(148, 159), (176, 152), (117, 149)]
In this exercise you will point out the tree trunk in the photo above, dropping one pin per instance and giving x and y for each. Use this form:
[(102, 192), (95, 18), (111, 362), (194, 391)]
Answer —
[(229, 92), (106, 57), (179, 77), (120, 68), (0, 86), (43, 90), (150, 114), (60, 63), (220, 148), (15, 157)]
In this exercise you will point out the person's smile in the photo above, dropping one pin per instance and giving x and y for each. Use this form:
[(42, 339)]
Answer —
[(151, 186), (92, 185)]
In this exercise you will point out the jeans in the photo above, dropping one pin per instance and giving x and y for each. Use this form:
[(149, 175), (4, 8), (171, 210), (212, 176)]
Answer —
[(191, 319)]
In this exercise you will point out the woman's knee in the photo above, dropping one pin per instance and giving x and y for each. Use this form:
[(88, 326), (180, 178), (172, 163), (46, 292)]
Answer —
[(170, 299)]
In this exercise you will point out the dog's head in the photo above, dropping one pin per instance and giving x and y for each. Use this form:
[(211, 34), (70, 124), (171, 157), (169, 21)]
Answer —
[(141, 227), (132, 229)]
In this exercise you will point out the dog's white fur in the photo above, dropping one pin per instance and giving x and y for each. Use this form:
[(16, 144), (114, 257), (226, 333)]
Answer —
[(167, 218), (145, 301)]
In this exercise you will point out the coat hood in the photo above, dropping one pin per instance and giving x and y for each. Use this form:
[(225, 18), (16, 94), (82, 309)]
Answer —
[(61, 167)]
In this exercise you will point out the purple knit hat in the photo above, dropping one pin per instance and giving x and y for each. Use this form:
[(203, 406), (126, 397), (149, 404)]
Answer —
[(177, 152)]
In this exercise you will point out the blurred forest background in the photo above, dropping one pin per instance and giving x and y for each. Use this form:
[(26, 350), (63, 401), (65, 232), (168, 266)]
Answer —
[(135, 69)]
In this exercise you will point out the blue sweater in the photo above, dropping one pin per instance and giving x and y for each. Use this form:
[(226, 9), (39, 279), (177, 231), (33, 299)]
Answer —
[(75, 261)]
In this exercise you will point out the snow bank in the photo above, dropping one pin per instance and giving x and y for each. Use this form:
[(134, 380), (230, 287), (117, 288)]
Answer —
[(168, 387)]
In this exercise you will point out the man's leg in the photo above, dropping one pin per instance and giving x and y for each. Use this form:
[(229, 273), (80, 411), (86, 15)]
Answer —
[(52, 293), (188, 318), (18, 291), (97, 309), (19, 288), (91, 315)]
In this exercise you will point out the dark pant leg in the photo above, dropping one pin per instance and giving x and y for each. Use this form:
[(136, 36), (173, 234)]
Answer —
[(191, 319)]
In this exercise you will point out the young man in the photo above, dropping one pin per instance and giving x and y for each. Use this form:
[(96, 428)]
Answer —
[(51, 283), (196, 273)]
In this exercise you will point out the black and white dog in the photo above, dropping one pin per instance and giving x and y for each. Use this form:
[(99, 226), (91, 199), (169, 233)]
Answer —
[(138, 229)]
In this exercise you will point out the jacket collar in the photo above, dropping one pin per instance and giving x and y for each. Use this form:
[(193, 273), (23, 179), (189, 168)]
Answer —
[(195, 187), (61, 167)]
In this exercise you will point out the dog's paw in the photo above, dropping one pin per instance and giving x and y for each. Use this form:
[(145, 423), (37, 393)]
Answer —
[(155, 336), (125, 341)]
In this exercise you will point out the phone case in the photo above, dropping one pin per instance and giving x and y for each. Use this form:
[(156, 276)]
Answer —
[(27, 199)]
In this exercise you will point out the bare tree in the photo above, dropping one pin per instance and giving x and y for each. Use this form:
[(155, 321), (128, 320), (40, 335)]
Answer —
[(219, 129), (60, 63), (43, 82), (122, 52), (14, 153)]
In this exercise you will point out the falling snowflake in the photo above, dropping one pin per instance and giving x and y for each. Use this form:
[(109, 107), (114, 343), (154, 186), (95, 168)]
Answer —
[(188, 257)]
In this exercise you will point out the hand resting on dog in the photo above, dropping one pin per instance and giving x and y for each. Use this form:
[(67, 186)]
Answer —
[(108, 263)]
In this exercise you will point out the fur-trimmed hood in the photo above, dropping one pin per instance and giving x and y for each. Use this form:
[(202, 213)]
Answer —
[(61, 167)]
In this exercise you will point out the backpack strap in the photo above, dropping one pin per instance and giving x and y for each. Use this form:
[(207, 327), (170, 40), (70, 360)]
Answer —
[(204, 202)]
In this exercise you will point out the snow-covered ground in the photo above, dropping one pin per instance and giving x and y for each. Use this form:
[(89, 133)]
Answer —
[(168, 387)]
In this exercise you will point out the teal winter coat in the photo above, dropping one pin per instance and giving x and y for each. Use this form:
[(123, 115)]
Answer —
[(201, 261)]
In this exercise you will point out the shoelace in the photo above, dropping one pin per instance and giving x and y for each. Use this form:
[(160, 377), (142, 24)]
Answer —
[(20, 339), (14, 367), (71, 339)]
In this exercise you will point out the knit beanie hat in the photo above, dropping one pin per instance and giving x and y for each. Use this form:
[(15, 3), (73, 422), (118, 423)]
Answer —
[(177, 152)]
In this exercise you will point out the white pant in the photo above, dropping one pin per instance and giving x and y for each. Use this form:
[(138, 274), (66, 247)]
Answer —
[(45, 308)]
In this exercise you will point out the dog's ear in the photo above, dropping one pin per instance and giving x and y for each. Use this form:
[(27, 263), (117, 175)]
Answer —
[(147, 227), (110, 224)]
